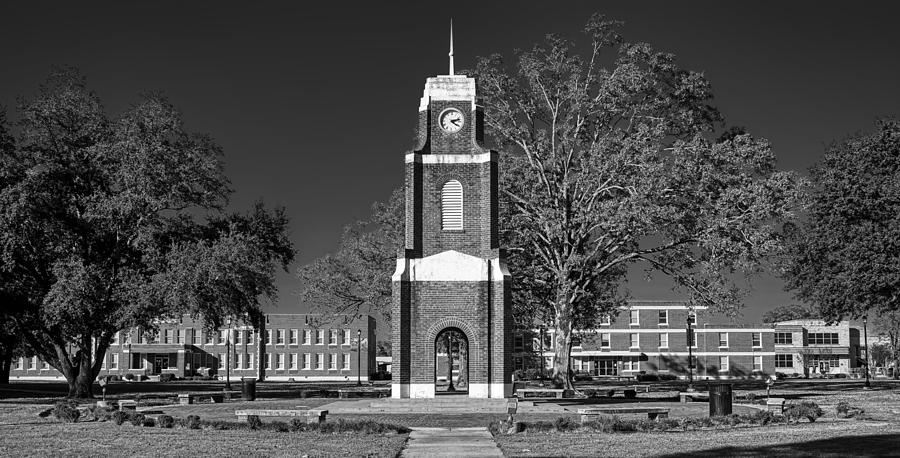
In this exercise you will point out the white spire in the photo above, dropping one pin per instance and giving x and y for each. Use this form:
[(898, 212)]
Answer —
[(451, 46)]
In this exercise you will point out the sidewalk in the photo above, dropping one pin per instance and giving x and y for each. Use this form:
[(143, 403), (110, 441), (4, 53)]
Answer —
[(447, 442)]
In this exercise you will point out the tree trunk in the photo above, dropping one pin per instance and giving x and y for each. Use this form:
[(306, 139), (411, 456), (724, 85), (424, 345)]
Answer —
[(6, 357), (463, 378), (449, 342), (562, 371), (896, 365)]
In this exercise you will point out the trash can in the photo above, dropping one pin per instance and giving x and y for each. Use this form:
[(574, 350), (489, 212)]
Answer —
[(248, 389), (719, 399)]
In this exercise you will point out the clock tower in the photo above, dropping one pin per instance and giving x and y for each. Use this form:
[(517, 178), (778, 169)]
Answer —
[(451, 273)]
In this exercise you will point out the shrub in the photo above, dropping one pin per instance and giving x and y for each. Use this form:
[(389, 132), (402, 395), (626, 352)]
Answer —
[(533, 374), (193, 422), (119, 417), (137, 419), (254, 421), (129, 377), (66, 411), (582, 377), (668, 377), (279, 426), (167, 377), (762, 417), (845, 410), (298, 424), (806, 409), (166, 421), (647, 378), (563, 424), (149, 422), (630, 394)]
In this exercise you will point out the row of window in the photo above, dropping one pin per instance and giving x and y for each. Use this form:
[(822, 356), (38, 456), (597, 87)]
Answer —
[(633, 364), (239, 337), (635, 340), (815, 338), (634, 318)]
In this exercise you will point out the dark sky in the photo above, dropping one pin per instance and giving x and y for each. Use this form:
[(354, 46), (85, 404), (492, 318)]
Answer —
[(315, 102)]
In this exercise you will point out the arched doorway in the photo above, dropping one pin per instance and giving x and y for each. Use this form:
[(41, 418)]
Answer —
[(451, 362)]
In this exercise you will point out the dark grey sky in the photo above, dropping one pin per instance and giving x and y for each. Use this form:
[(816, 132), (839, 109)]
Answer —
[(315, 104)]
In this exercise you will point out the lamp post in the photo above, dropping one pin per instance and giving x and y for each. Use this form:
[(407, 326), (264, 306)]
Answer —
[(690, 344), (228, 356), (866, 338), (359, 357), (541, 359)]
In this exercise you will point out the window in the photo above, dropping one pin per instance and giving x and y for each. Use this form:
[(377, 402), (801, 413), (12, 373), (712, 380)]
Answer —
[(664, 340), (279, 361), (823, 338), (757, 339), (115, 339), (346, 337), (114, 364), (103, 364), (723, 339), (604, 340), (452, 206), (279, 339), (346, 361), (519, 342), (631, 365), (332, 337), (168, 336), (268, 361), (320, 336), (32, 363), (332, 361), (634, 318), (664, 317), (306, 361), (239, 361), (635, 340), (306, 337), (723, 364), (320, 361), (605, 320), (239, 337), (182, 336), (210, 338), (196, 338), (295, 335), (250, 361), (223, 336), (268, 337), (757, 363), (251, 337), (221, 360), (20, 363), (784, 338), (45, 365), (293, 361), (137, 361)]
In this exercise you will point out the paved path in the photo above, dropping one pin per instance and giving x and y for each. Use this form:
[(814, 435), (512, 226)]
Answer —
[(440, 442)]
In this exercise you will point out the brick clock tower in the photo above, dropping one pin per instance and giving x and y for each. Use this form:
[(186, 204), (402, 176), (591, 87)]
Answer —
[(451, 274)]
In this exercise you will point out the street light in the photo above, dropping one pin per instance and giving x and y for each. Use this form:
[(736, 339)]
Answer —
[(228, 355), (358, 357), (866, 338), (690, 344)]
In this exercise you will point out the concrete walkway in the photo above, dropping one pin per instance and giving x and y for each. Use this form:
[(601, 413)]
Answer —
[(440, 442)]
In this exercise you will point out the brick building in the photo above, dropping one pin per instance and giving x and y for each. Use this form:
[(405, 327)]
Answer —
[(451, 274), (291, 346), (813, 347)]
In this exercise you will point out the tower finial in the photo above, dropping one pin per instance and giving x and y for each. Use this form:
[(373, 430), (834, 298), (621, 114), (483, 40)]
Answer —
[(451, 46)]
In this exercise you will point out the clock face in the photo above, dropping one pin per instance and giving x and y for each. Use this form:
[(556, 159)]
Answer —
[(451, 120)]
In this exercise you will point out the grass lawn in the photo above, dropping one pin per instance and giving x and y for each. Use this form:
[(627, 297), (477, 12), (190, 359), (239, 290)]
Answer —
[(822, 439), (42, 439)]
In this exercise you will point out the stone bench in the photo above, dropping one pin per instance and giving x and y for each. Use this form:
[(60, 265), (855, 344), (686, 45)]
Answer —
[(686, 396), (523, 392), (191, 398), (312, 416), (592, 414), (775, 405), (127, 404)]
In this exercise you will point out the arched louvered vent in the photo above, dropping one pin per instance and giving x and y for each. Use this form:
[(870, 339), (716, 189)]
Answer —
[(452, 206)]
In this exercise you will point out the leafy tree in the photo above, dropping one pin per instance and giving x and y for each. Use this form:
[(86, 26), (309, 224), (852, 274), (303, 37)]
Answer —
[(881, 353), (608, 165), (845, 257), (356, 279), (383, 348), (790, 312), (106, 224)]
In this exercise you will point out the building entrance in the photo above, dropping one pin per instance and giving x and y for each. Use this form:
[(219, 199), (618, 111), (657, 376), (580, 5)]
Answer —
[(160, 362)]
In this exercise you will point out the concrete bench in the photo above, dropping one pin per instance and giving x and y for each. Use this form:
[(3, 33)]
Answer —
[(641, 388), (191, 398), (775, 405), (592, 414), (312, 416), (523, 392), (127, 404), (686, 396)]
